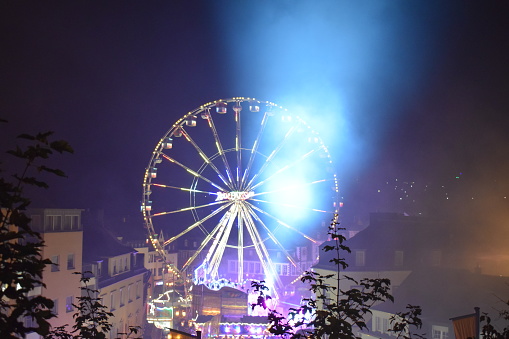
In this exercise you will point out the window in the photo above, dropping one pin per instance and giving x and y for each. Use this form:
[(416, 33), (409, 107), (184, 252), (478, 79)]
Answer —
[(54, 222), (138, 290), (398, 258), (160, 273), (75, 222), (68, 304), (99, 268), (440, 332), (386, 325), (112, 301), (284, 269), (129, 293), (360, 258), (303, 253), (122, 297), (70, 261), (71, 222), (54, 310), (378, 324), (55, 261)]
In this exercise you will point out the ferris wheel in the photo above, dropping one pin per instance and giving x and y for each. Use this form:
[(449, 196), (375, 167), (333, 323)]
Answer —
[(246, 178)]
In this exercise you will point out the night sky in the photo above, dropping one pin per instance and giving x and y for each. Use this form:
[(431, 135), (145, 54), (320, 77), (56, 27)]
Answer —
[(415, 90)]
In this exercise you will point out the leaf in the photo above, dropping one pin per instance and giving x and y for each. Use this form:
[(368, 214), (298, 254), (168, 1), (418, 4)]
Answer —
[(26, 136), (55, 171), (61, 146), (43, 136), (17, 152), (34, 182)]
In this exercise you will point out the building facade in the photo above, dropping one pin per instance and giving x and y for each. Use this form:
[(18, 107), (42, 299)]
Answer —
[(62, 232), (116, 271)]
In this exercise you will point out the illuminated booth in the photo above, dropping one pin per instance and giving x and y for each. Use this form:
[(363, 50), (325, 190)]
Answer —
[(227, 301), (220, 327)]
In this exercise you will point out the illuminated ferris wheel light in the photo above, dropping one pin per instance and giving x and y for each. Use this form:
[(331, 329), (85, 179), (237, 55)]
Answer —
[(245, 179)]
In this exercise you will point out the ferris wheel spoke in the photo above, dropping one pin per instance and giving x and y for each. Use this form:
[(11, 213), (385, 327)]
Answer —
[(240, 246), (219, 147), (254, 149), (204, 243), (197, 224), (287, 167), (218, 254), (238, 141), (282, 223), (270, 234), (184, 189), (206, 158), (273, 153), (170, 159), (261, 250), (191, 208), (291, 206), (219, 231)]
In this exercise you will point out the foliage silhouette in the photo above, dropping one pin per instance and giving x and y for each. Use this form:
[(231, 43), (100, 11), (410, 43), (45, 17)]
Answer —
[(332, 312), (403, 321), (488, 329), (21, 264)]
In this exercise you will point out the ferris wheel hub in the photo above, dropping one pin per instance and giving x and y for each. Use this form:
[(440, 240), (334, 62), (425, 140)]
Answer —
[(234, 196)]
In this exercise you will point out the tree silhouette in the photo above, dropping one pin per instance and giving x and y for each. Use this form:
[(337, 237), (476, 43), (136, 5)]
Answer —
[(21, 266), (333, 312)]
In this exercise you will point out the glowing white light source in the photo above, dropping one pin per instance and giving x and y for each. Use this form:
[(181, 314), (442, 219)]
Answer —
[(234, 196)]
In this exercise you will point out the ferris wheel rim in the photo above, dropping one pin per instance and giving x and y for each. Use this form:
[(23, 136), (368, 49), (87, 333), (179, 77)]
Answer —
[(156, 155)]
